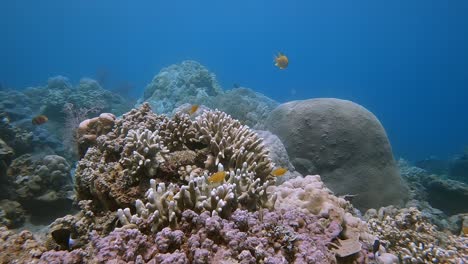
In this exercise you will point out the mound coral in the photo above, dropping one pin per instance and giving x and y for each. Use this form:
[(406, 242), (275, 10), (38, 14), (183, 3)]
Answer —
[(44, 178)]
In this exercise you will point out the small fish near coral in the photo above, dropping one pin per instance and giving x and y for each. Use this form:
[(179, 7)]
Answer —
[(193, 109), (39, 120), (281, 61), (279, 172), (217, 177)]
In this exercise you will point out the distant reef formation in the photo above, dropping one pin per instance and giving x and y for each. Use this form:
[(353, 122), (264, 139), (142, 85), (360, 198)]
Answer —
[(455, 168), (345, 144), (36, 160), (64, 105), (429, 191), (191, 83)]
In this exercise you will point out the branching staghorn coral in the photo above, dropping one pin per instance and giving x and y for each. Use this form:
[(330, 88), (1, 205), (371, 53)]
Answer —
[(176, 159), (232, 144), (166, 203), (143, 152)]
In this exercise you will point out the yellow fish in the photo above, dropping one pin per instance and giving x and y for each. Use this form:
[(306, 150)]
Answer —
[(39, 120), (170, 197), (281, 61), (193, 109), (279, 172), (217, 177)]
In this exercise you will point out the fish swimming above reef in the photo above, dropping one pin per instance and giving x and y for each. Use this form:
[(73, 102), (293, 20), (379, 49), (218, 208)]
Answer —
[(193, 109), (279, 172), (217, 177), (39, 120), (281, 61)]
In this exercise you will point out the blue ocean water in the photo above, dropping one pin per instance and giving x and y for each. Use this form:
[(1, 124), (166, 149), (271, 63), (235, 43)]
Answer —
[(406, 61)]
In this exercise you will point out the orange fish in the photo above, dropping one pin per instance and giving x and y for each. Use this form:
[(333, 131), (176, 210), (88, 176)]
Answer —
[(217, 177), (281, 61), (279, 172), (39, 120), (193, 109)]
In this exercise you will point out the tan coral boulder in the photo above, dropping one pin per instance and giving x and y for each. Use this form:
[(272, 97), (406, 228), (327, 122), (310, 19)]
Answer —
[(344, 143)]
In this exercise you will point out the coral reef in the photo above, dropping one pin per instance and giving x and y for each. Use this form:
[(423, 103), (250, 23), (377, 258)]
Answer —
[(434, 165), (42, 184), (12, 214), (15, 137), (88, 130), (458, 168), (345, 144), (19, 248), (52, 98), (132, 169), (205, 238), (446, 195), (180, 155), (305, 232), (191, 83), (245, 104), (6, 156), (17, 108), (309, 195), (406, 233), (187, 82), (45, 178), (15, 105)]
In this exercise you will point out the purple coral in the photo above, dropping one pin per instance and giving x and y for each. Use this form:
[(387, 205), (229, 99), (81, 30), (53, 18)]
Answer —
[(121, 244), (206, 238)]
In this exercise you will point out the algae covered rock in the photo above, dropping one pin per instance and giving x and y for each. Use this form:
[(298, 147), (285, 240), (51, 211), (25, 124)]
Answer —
[(245, 104), (12, 214), (187, 82), (345, 144), (192, 83)]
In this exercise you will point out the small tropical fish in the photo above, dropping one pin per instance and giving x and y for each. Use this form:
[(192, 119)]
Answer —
[(281, 61), (170, 197), (39, 120), (279, 172), (217, 177), (193, 109), (376, 246)]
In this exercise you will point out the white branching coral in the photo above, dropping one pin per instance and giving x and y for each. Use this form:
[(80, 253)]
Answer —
[(177, 132), (143, 150), (165, 203), (414, 239), (232, 144), (179, 157)]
